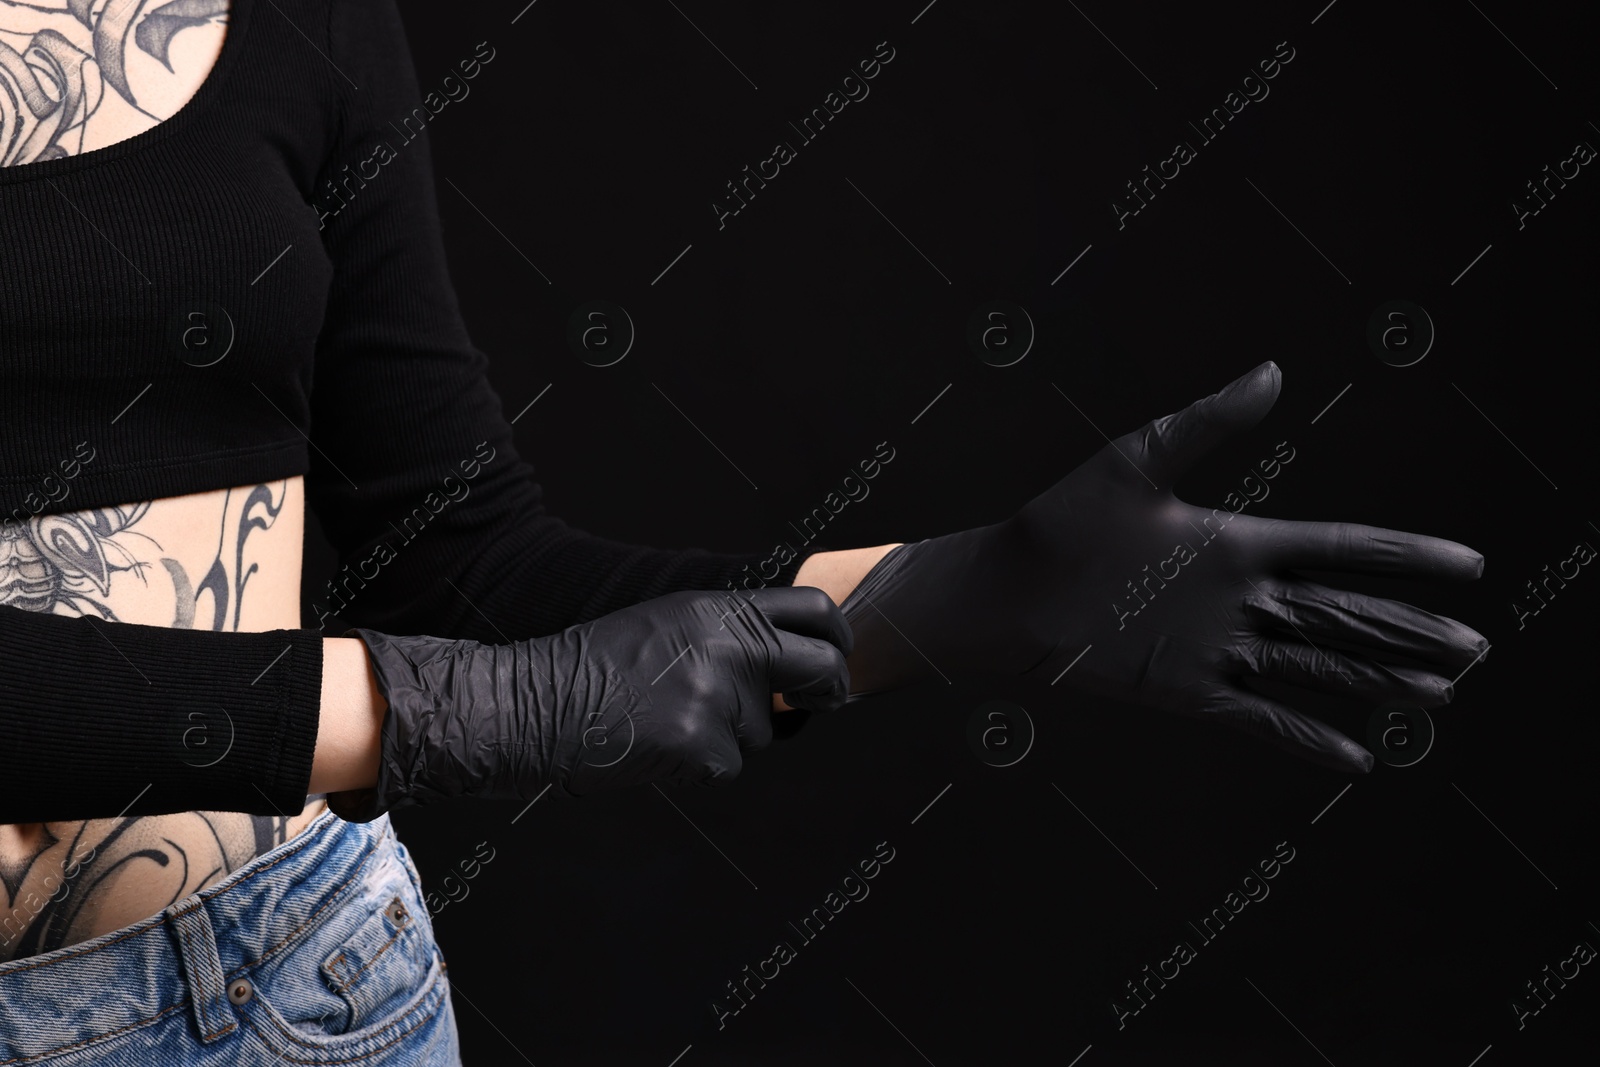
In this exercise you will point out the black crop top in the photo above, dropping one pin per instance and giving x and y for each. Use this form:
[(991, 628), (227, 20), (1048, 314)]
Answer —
[(266, 203)]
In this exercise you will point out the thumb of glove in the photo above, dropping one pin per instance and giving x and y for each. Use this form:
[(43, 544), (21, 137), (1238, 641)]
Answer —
[(1166, 448)]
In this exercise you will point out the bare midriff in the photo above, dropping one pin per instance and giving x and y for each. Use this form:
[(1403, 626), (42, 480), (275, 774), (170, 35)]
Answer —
[(223, 560)]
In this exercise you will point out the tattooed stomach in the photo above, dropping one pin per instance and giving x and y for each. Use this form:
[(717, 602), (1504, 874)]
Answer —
[(223, 560)]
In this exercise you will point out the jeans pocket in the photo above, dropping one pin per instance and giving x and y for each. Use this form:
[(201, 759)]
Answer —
[(379, 966), (366, 980)]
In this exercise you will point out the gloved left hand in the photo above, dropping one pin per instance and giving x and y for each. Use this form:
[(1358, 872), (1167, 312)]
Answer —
[(674, 689), (1168, 604)]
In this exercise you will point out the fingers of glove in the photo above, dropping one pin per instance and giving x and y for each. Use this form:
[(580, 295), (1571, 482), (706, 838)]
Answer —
[(1166, 448), (805, 610), (1344, 674), (1317, 613), (1296, 733), (753, 727), (1345, 546), (809, 672)]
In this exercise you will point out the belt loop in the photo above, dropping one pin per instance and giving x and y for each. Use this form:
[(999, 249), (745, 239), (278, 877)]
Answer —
[(202, 968)]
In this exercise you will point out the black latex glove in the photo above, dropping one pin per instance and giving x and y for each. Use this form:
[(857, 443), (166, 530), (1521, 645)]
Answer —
[(670, 690), (1223, 602)]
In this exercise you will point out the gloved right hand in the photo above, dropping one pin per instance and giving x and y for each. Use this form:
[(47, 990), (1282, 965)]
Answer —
[(671, 690)]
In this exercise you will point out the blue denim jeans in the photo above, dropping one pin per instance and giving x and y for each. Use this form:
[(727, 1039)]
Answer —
[(318, 952)]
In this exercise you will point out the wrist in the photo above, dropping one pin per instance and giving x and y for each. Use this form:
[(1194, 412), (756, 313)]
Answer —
[(838, 573), (350, 728)]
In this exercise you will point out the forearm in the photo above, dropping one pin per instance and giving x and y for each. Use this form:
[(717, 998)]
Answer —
[(102, 719), (348, 730), (353, 706)]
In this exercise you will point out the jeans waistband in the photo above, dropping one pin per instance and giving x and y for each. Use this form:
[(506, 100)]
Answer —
[(183, 958)]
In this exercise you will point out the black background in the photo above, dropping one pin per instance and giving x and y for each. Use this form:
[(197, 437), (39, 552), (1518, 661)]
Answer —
[(808, 330)]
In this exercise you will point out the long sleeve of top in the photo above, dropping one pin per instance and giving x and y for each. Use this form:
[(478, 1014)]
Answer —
[(411, 469), (404, 407)]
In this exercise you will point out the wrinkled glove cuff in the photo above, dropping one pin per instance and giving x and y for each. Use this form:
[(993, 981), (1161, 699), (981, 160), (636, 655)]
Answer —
[(410, 701)]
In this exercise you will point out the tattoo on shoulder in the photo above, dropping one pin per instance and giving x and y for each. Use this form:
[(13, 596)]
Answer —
[(81, 63)]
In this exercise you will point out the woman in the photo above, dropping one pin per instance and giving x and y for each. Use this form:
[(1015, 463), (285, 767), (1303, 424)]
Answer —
[(204, 203), (187, 142)]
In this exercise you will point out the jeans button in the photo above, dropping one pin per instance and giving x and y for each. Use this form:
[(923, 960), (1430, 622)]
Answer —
[(396, 912), (240, 990)]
